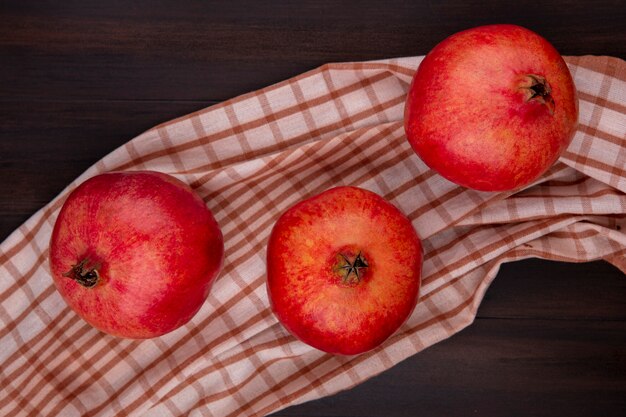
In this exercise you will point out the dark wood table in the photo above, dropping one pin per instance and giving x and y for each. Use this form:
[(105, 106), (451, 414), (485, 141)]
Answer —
[(79, 78)]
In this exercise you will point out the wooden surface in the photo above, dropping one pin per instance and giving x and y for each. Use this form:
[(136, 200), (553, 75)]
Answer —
[(80, 78)]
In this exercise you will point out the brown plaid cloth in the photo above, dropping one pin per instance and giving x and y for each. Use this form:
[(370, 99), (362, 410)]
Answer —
[(251, 158)]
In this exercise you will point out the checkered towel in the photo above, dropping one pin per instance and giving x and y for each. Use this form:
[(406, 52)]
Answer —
[(251, 158)]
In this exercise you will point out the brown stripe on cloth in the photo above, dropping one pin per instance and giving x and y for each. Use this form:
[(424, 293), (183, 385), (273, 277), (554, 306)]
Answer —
[(603, 65), (602, 101), (252, 157), (287, 144), (296, 108)]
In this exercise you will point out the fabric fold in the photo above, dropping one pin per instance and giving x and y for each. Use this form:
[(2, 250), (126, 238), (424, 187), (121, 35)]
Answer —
[(252, 157)]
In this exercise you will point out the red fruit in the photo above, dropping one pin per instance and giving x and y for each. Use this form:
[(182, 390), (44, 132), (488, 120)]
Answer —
[(135, 253), (343, 270), (491, 108)]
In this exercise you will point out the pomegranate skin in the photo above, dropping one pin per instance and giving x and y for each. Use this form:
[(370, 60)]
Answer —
[(343, 270), (150, 244), (469, 114)]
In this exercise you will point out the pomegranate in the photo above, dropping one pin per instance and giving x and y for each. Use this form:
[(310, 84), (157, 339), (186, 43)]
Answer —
[(343, 270), (135, 253), (491, 108)]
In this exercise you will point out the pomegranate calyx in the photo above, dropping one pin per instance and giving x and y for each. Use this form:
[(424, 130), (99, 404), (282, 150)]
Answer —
[(349, 268), (84, 273), (537, 88)]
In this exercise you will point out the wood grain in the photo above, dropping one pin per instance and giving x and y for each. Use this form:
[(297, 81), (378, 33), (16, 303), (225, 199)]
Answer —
[(498, 367), (45, 144), (215, 50)]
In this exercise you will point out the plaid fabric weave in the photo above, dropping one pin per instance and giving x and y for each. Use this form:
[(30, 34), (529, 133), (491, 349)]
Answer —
[(251, 158)]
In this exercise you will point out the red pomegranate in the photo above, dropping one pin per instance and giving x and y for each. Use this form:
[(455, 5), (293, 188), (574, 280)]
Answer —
[(135, 253), (343, 270), (491, 108)]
